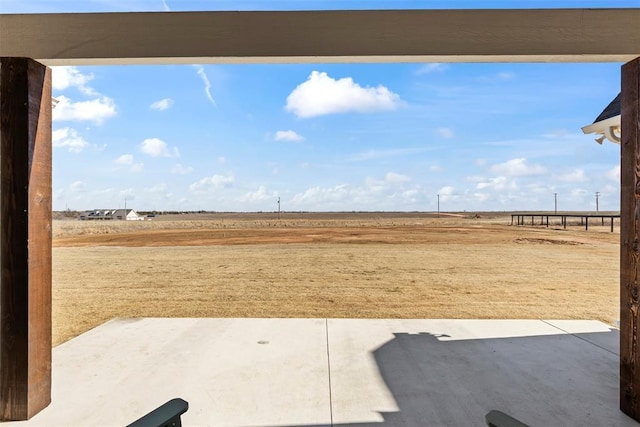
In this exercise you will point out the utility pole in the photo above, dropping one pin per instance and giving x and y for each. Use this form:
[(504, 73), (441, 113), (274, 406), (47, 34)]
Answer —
[(278, 208), (438, 206), (555, 202), (597, 196)]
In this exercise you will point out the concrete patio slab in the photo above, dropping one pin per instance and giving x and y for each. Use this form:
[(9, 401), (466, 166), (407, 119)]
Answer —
[(453, 372), (589, 330), (342, 372), (231, 371)]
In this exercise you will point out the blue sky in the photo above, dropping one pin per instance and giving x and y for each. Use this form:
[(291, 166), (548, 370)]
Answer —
[(327, 137)]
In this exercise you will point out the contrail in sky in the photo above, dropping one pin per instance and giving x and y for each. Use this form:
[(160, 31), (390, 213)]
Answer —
[(207, 83)]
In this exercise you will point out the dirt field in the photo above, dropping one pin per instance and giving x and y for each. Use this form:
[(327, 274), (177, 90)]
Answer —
[(330, 265)]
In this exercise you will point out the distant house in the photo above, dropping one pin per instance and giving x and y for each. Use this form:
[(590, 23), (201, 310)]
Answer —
[(110, 214)]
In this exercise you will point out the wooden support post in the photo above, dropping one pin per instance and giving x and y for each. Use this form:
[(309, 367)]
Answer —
[(612, 224), (25, 238), (630, 241), (586, 223)]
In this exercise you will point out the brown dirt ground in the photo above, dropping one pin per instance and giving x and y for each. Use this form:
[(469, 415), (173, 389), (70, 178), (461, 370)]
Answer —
[(353, 265)]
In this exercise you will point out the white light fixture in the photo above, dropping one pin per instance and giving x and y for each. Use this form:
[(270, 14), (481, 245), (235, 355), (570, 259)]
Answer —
[(605, 129), (607, 125)]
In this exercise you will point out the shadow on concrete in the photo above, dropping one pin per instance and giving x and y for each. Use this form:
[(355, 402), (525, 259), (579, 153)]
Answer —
[(559, 380), (541, 380)]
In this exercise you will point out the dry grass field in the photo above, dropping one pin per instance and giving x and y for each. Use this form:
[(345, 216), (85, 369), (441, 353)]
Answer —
[(330, 265)]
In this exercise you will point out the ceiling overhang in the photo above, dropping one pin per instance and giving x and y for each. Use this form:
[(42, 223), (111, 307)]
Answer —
[(503, 35)]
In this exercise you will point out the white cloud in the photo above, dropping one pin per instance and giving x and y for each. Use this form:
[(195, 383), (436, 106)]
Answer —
[(288, 135), (179, 169), (155, 147), (165, 6), (77, 186), (94, 110), (411, 195), (540, 188), (65, 77), (212, 183), (158, 188), (396, 177), (374, 186), (161, 190), (162, 105), (125, 159), (207, 83), (577, 175), (321, 95), (498, 183), (447, 193), (260, 194), (382, 154), (561, 134), (498, 77), (481, 197), (475, 178), (445, 132), (436, 168), (69, 138), (222, 160), (318, 196), (389, 193), (430, 68), (518, 167), (580, 195), (614, 173)]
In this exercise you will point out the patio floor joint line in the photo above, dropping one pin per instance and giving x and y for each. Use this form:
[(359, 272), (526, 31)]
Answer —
[(326, 325), (579, 337)]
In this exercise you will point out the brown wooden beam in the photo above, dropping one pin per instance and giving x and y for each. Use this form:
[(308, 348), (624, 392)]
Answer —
[(25, 238), (630, 241)]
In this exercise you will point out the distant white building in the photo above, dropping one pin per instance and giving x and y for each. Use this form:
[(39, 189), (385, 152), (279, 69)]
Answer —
[(110, 214)]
